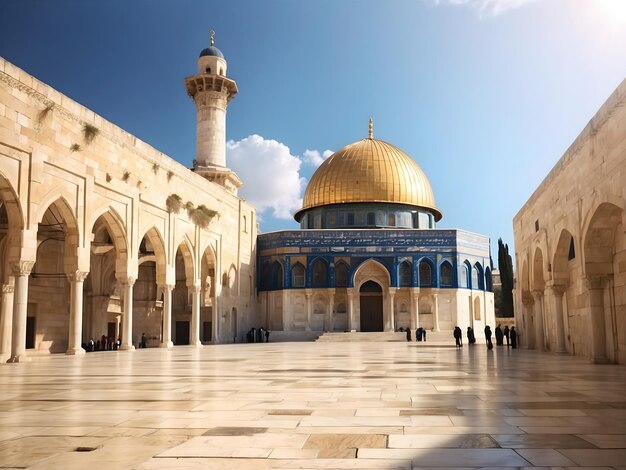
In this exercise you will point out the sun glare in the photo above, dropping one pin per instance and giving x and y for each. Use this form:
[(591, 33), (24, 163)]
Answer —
[(614, 10)]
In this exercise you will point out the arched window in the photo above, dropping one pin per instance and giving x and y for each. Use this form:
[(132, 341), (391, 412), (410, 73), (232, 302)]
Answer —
[(277, 275), (341, 275), (208, 70), (264, 282), (445, 274), (488, 280), (426, 275), (320, 274), (391, 218), (245, 224), (466, 270), (298, 276), (404, 273), (478, 280)]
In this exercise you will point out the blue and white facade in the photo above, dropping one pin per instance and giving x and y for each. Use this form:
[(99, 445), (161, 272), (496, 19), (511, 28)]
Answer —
[(374, 279)]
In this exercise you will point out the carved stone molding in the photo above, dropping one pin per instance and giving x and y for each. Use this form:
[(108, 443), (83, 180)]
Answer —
[(8, 288), (167, 287), (22, 268), (595, 282), (78, 276), (68, 115)]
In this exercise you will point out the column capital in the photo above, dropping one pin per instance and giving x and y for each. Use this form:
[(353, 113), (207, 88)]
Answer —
[(22, 268), (77, 276), (331, 291), (308, 293), (194, 288), (127, 281), (392, 291), (527, 298), (167, 287), (557, 289), (8, 288), (350, 292), (434, 295), (537, 295), (415, 292)]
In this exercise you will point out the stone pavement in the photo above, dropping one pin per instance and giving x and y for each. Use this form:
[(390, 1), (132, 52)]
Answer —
[(312, 405)]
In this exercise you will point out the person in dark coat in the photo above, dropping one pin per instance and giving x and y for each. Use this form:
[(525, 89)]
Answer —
[(488, 337), (499, 336), (418, 334), (513, 334), (423, 334), (267, 336), (506, 334), (471, 339), (143, 341), (458, 337), (408, 334)]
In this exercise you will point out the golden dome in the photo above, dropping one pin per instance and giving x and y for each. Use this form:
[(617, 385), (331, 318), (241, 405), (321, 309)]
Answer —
[(369, 170)]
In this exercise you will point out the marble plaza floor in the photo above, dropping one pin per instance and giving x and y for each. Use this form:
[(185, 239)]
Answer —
[(312, 405)]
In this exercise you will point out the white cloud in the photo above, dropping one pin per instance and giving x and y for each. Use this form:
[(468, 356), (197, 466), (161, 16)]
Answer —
[(271, 175), (313, 157), (488, 8)]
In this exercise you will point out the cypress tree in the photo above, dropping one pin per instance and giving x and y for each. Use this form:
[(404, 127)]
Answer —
[(505, 265)]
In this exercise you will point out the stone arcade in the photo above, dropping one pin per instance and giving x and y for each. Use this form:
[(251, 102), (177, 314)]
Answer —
[(570, 246), (101, 234)]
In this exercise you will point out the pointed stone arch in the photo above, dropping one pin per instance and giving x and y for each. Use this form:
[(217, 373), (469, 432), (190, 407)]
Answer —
[(604, 249), (371, 270)]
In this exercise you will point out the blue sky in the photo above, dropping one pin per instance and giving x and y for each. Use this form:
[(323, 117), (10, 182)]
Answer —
[(485, 95)]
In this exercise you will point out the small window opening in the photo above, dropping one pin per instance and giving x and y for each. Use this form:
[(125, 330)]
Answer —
[(537, 225), (572, 251)]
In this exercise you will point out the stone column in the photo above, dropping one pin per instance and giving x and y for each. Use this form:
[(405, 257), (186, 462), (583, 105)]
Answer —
[(330, 323), (539, 333), (351, 322), (76, 279), (391, 317), (415, 308), (21, 270), (308, 293), (595, 286), (166, 340), (557, 292), (215, 317), (435, 312), (6, 323), (194, 336), (527, 308), (127, 326)]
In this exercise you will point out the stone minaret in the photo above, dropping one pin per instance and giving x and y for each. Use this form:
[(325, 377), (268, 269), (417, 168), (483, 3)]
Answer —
[(211, 90)]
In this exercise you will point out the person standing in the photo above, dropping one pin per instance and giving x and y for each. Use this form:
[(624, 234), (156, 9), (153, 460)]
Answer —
[(513, 334), (471, 339), (423, 334), (143, 341), (488, 337), (408, 334), (267, 336), (506, 335), (499, 336), (458, 337)]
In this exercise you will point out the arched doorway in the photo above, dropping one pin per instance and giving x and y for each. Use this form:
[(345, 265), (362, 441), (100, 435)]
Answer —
[(371, 302)]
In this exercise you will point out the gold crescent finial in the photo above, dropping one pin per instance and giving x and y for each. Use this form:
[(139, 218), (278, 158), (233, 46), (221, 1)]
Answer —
[(371, 129), (212, 34)]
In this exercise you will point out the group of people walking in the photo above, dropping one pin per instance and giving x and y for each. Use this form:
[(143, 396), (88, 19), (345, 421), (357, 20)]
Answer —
[(420, 334), (509, 334)]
